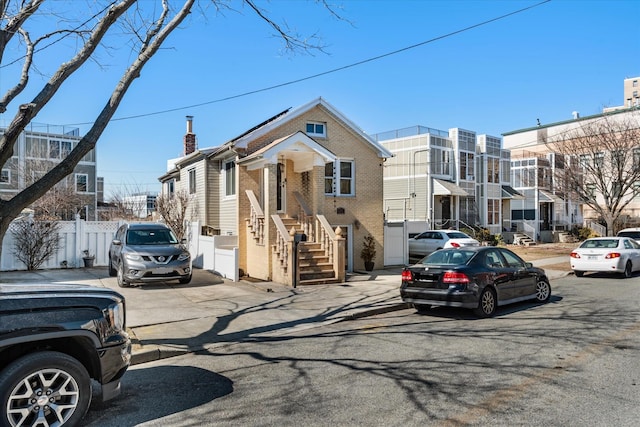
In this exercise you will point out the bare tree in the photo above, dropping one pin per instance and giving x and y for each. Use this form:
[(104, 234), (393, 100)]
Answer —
[(35, 241), (173, 210), (148, 27), (601, 164)]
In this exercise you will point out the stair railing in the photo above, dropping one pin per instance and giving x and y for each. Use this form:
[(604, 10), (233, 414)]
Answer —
[(332, 243), (256, 217), (305, 217), (283, 246)]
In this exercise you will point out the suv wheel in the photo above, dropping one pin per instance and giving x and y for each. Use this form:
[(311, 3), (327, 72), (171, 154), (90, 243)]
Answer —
[(122, 282), (44, 388), (185, 280), (112, 271)]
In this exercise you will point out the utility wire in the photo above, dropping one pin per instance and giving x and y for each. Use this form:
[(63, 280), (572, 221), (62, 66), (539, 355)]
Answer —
[(324, 73)]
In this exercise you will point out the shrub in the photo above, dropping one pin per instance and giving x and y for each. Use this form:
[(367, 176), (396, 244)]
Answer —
[(35, 241)]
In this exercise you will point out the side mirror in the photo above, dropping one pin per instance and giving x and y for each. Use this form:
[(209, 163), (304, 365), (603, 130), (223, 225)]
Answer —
[(116, 242), (528, 265)]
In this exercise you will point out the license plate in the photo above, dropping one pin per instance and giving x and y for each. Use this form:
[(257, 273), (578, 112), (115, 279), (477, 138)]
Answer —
[(162, 270), (592, 257)]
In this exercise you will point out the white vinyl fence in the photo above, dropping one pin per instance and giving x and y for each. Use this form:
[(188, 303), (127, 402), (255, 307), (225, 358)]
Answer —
[(75, 237), (216, 253)]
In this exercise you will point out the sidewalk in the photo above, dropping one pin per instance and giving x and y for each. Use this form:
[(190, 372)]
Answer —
[(168, 319)]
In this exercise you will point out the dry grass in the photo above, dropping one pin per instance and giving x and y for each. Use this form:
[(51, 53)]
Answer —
[(543, 250)]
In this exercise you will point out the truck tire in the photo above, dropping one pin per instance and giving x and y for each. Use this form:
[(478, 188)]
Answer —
[(51, 385)]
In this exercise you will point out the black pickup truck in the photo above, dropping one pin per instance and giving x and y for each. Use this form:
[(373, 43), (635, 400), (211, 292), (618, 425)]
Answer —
[(54, 339)]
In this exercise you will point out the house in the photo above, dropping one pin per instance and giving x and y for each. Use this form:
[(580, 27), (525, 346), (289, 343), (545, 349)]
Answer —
[(300, 190), (446, 179), (38, 149)]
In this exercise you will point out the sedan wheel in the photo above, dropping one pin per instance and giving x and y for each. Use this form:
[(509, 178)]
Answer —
[(44, 388), (487, 305), (579, 273), (122, 282), (543, 291), (628, 270)]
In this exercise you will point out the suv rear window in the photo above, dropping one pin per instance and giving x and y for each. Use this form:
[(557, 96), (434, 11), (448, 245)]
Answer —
[(630, 234)]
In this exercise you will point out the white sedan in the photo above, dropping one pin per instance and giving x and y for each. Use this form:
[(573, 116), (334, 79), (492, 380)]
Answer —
[(428, 241), (606, 254)]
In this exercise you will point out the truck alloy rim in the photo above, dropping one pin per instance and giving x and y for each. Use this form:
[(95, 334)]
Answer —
[(45, 397)]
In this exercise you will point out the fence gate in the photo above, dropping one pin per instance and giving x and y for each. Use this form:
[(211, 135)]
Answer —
[(396, 251)]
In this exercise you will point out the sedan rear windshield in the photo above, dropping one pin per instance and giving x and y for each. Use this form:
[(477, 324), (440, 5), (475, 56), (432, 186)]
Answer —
[(603, 243), (448, 257), (151, 237)]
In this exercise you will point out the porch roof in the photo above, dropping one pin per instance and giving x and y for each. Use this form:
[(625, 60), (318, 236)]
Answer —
[(509, 192), (546, 197), (299, 147), (446, 188)]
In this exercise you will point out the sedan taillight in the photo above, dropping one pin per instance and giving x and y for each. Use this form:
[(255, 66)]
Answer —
[(612, 255), (455, 277), (574, 255), (455, 245), (407, 276)]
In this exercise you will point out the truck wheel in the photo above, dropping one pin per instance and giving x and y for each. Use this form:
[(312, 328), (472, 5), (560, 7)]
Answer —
[(44, 388)]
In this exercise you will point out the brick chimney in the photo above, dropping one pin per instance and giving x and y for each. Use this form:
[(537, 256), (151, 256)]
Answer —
[(189, 137)]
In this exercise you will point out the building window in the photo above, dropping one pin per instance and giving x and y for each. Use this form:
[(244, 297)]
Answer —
[(585, 160), (598, 159), (171, 187), (466, 166), (328, 178), (635, 83), (493, 211), (344, 175), (230, 178), (317, 129), (82, 180), (192, 181), (5, 176), (493, 170), (636, 158)]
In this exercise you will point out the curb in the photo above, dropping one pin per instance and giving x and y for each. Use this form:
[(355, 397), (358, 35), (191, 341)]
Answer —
[(149, 353)]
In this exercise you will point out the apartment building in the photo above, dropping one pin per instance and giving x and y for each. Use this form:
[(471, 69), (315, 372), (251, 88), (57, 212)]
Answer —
[(446, 179), (536, 167), (38, 149)]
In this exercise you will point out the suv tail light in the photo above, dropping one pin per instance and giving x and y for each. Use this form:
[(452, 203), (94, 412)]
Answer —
[(455, 277), (612, 255), (407, 276)]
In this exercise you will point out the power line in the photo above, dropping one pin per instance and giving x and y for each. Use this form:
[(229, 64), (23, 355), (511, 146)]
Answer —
[(324, 73)]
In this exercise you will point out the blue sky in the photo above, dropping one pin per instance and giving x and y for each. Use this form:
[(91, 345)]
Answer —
[(544, 63)]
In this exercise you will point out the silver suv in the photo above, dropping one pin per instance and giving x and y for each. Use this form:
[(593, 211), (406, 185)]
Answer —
[(148, 252)]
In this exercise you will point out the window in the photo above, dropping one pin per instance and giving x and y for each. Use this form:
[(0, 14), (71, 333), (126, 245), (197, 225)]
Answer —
[(82, 180), (585, 160), (493, 211), (346, 177), (636, 158), (328, 178), (5, 176), (317, 129), (171, 187), (493, 170), (36, 147), (343, 175), (230, 178), (635, 83), (598, 159), (466, 166), (192, 181)]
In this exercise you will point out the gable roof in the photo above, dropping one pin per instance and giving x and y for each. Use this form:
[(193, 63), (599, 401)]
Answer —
[(298, 146), (287, 115)]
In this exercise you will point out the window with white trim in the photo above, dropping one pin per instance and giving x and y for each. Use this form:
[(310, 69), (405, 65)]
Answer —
[(316, 129), (82, 183), (493, 211), (230, 178), (192, 181), (339, 178), (5, 176)]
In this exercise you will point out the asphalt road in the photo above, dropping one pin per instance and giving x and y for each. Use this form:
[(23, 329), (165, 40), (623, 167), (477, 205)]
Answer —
[(572, 362)]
